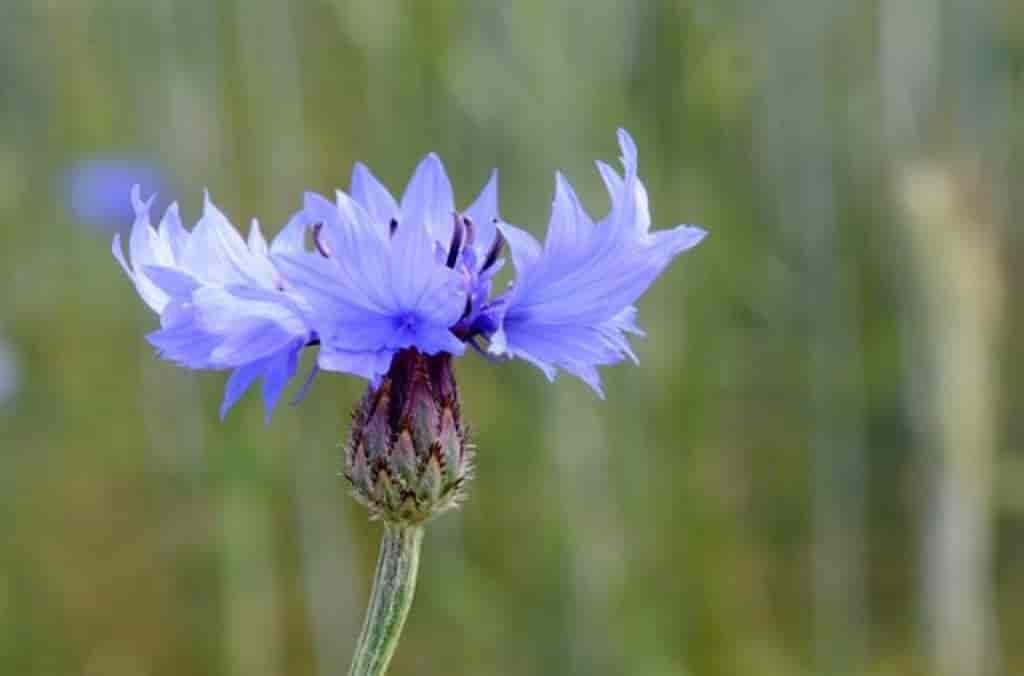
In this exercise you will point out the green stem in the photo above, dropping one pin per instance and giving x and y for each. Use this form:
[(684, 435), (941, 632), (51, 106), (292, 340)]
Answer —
[(393, 587)]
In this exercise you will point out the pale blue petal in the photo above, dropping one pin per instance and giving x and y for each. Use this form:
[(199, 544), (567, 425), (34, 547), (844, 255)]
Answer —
[(327, 286), (412, 257), (360, 227), (238, 383), (278, 372), (319, 209), (626, 321), (185, 344), (357, 249), (672, 242), (221, 310), (256, 241), (217, 254), (369, 364), (483, 212), (612, 182), (525, 248), (292, 237), (373, 196), (174, 283), (172, 231), (434, 339), (428, 202), (570, 228), (145, 248), (249, 341), (631, 202)]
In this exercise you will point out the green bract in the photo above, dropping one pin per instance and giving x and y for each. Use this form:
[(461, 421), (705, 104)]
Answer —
[(408, 458)]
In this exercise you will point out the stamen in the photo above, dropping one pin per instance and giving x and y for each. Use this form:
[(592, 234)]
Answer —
[(470, 231), (320, 245), (392, 226), (495, 251), (456, 245)]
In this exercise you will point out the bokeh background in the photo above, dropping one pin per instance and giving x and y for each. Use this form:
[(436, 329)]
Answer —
[(817, 468)]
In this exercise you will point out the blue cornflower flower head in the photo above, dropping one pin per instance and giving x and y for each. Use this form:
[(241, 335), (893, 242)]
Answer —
[(411, 276), (221, 301)]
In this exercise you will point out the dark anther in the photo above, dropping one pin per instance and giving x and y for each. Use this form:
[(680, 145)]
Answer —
[(320, 245), (456, 245), (470, 231), (495, 251), (392, 226)]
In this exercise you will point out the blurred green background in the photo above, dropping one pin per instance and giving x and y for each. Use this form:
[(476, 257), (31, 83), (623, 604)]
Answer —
[(817, 468)]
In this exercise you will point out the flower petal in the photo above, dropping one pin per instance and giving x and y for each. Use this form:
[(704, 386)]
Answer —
[(372, 195), (572, 302), (240, 380), (570, 228), (418, 280), (369, 364), (483, 212), (292, 237), (427, 201), (172, 232), (145, 248), (278, 372), (217, 254), (174, 283), (525, 248), (256, 241)]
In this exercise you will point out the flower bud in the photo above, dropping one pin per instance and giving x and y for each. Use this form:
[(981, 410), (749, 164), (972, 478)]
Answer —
[(407, 457)]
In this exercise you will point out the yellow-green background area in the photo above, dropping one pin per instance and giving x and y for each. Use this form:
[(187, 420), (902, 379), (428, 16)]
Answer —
[(817, 467)]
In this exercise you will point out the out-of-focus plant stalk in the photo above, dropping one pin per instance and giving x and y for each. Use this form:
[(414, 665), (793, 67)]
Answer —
[(955, 251), (946, 126), (394, 585), (802, 158)]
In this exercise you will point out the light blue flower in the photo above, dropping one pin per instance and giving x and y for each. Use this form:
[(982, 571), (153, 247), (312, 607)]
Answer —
[(571, 306), (386, 275), (221, 301)]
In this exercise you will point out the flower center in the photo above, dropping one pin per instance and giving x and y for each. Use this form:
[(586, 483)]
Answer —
[(407, 322)]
